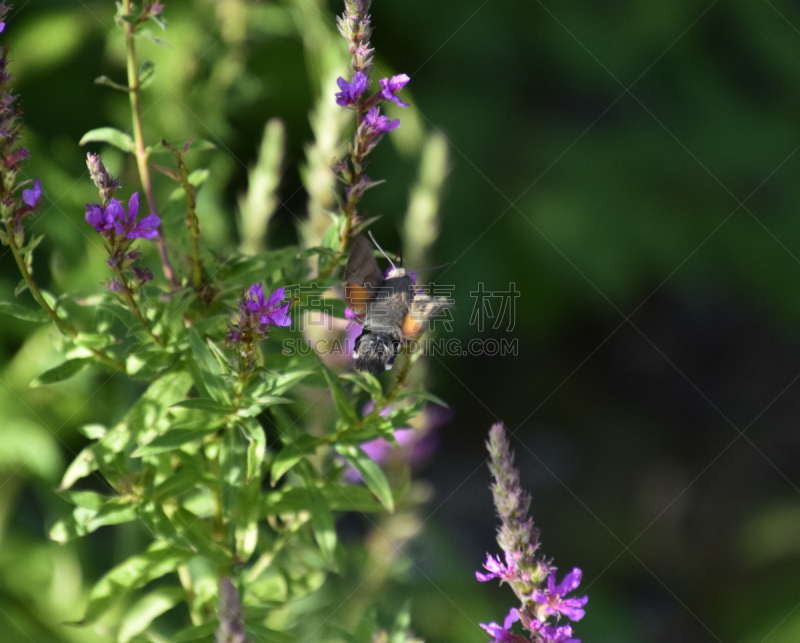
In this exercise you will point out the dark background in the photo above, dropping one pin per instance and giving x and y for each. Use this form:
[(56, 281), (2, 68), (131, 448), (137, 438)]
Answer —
[(630, 165)]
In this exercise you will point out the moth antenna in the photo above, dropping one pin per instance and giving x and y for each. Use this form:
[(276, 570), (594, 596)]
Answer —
[(377, 245), (444, 265)]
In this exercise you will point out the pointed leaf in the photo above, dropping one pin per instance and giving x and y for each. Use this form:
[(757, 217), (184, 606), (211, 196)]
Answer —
[(370, 472), (322, 522), (20, 312), (138, 617), (343, 404), (205, 404), (291, 454), (62, 372), (111, 136), (257, 447), (138, 570)]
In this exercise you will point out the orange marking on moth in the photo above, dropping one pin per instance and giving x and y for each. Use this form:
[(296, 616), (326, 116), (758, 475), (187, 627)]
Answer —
[(357, 298)]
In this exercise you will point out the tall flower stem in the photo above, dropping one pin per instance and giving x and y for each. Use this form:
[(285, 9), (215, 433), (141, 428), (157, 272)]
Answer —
[(138, 140), (192, 221), (37, 295), (127, 294)]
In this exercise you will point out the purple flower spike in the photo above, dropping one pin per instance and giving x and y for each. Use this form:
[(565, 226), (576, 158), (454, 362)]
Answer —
[(270, 312), (351, 91), (2, 27), (378, 124), (503, 634), (390, 88), (31, 196), (553, 600)]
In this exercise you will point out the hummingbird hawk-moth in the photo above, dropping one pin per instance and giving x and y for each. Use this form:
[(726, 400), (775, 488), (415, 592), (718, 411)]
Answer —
[(387, 307)]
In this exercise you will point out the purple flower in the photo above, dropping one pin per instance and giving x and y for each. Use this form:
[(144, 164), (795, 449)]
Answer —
[(390, 87), (114, 285), (351, 91), (98, 218), (143, 274), (553, 600), (15, 157), (377, 124), (270, 312), (156, 8), (32, 195), (559, 634), (497, 569), (2, 27), (114, 216), (503, 634)]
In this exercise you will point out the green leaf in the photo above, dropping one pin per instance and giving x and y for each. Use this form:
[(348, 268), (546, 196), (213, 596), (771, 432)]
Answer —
[(257, 447), (196, 179), (94, 340), (84, 521), (194, 633), (174, 439), (285, 381), (367, 382), (181, 482), (93, 431), (146, 73), (209, 369), (321, 517), (205, 404), (343, 404), (245, 519), (330, 239), (83, 464), (256, 631), (424, 395), (62, 372), (25, 314), (197, 532), (139, 616), (291, 454), (138, 570), (89, 499), (22, 286), (111, 136), (370, 472)]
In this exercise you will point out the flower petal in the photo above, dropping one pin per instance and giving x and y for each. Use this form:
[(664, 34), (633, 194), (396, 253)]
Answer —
[(570, 582), (276, 298), (133, 207), (31, 197), (94, 216), (115, 212)]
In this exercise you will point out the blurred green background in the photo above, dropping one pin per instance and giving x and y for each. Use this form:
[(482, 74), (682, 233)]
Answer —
[(630, 166)]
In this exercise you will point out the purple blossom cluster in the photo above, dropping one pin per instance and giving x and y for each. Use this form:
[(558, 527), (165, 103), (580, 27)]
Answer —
[(256, 314), (113, 220), (542, 606), (15, 206), (120, 228)]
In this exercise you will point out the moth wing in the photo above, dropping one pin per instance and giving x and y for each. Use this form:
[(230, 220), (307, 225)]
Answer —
[(362, 275), (422, 308)]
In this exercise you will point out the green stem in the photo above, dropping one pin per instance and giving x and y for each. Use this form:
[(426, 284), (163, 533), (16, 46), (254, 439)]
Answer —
[(127, 294), (138, 139), (37, 295), (192, 222)]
